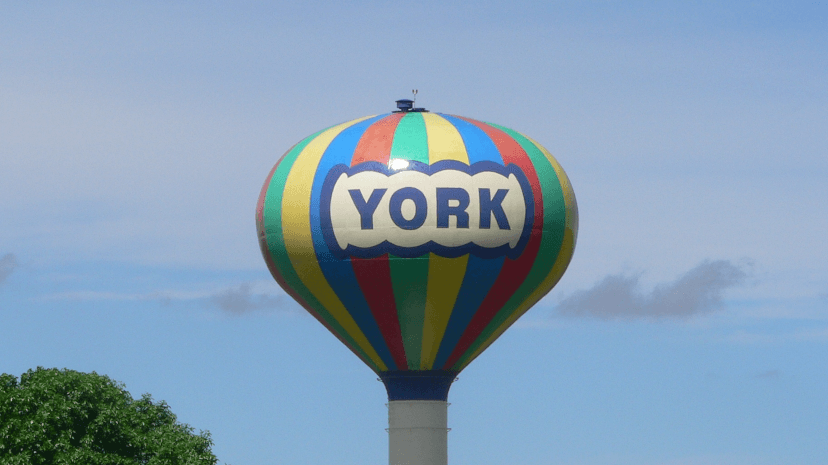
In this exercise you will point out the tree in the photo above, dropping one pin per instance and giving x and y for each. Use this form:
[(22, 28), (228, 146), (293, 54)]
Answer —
[(57, 417)]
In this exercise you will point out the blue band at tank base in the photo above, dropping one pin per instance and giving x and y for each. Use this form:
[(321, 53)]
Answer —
[(418, 385)]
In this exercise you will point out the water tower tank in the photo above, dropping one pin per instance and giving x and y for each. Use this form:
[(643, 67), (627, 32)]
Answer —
[(417, 238)]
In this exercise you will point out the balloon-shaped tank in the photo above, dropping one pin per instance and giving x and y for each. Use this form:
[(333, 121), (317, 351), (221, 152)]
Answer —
[(417, 238)]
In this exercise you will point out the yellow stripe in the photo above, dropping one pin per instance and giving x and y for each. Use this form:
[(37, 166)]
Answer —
[(298, 241), (561, 263), (444, 141), (445, 275)]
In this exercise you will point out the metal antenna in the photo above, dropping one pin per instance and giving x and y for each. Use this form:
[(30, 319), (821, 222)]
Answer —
[(414, 91)]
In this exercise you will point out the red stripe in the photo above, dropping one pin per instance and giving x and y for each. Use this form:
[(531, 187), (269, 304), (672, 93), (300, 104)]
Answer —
[(513, 272), (375, 143), (374, 277), (374, 274)]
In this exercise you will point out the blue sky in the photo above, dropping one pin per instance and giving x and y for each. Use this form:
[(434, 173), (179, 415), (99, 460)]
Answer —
[(134, 139)]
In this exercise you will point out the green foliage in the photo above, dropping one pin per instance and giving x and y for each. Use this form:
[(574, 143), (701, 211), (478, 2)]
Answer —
[(60, 417)]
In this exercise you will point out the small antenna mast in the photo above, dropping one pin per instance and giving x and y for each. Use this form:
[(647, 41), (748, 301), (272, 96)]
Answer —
[(405, 105)]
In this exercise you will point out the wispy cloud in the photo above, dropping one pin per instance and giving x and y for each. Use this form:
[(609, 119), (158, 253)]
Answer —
[(809, 335), (240, 300), (7, 266), (163, 296), (618, 296), (236, 300)]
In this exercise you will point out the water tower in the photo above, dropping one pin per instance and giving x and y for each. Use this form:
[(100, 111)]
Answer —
[(417, 239)]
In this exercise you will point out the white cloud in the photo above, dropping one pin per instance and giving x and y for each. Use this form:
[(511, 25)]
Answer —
[(165, 296), (618, 296), (770, 374), (242, 299), (7, 266), (237, 300), (799, 335)]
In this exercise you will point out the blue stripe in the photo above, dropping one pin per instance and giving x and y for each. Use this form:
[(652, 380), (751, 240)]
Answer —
[(481, 273), (479, 146), (339, 273)]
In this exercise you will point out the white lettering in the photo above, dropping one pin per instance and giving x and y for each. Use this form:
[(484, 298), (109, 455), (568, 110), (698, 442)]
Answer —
[(411, 208)]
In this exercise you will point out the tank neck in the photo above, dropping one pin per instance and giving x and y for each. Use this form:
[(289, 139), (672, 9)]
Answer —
[(418, 385)]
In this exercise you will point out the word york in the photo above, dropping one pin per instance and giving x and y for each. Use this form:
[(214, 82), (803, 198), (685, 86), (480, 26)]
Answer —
[(448, 208)]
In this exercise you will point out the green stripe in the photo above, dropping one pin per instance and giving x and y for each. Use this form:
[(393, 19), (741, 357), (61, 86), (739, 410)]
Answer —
[(410, 140), (409, 279), (554, 221), (409, 276), (276, 244)]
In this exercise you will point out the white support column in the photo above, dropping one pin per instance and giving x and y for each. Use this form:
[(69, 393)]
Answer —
[(418, 432)]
